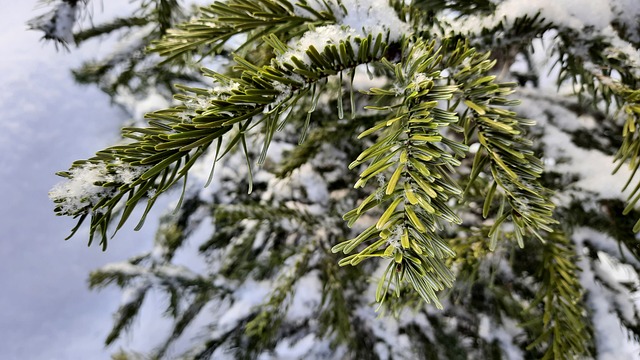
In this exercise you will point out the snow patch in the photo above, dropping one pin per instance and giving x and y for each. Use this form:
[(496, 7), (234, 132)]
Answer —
[(504, 334), (288, 349), (83, 188), (373, 17), (319, 38), (362, 17), (134, 293), (611, 339), (572, 14), (593, 167), (249, 295), (308, 295), (58, 23)]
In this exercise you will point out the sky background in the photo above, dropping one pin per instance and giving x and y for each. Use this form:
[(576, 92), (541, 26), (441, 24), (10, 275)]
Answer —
[(46, 122)]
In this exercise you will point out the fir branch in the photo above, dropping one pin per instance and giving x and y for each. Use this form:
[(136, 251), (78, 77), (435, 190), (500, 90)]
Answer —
[(461, 7), (565, 332), (185, 319), (220, 21), (163, 152), (514, 167), (264, 326), (141, 274), (419, 188), (594, 75), (436, 98), (332, 132), (603, 66), (337, 316), (236, 213), (415, 197), (127, 312), (108, 28)]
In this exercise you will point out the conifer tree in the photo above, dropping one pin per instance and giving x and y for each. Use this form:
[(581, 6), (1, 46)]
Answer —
[(393, 179)]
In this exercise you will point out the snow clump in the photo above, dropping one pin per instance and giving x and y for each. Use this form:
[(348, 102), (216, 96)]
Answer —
[(361, 18), (83, 188), (58, 23)]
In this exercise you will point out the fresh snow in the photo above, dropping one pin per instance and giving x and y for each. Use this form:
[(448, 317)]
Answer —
[(561, 155), (307, 297), (611, 339), (222, 91), (628, 13), (58, 23), (504, 334), (595, 16), (81, 190), (574, 14), (319, 38), (373, 17), (592, 166), (288, 349), (133, 293), (362, 17), (248, 295)]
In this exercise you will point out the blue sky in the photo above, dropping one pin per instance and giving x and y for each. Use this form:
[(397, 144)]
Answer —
[(46, 122)]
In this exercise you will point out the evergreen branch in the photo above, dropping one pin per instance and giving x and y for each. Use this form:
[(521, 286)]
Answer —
[(337, 316), (514, 167), (236, 213), (127, 312), (108, 275), (332, 133), (623, 245), (461, 8), (185, 319), (220, 21), (128, 355), (166, 11), (58, 23), (243, 232), (264, 326), (564, 327), (435, 99), (176, 228), (417, 192), (595, 76), (132, 69), (166, 274), (107, 28), (630, 148), (589, 62), (136, 280), (516, 31), (161, 154)]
